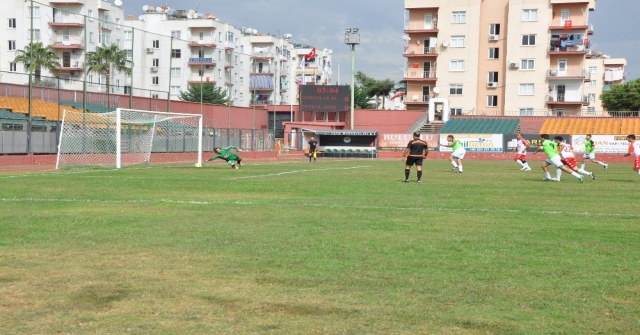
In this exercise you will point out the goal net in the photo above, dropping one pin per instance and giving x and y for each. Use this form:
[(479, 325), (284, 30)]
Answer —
[(129, 137)]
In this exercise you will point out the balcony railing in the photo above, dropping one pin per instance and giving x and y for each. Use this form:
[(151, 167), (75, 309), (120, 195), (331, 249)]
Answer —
[(208, 60), (105, 25), (421, 25), (71, 65), (576, 23), (571, 98), (567, 72), (67, 40), (263, 54), (69, 19), (255, 70), (418, 98), (569, 48), (421, 50), (421, 75), (261, 102)]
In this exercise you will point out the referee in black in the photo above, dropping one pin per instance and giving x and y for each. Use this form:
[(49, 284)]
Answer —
[(417, 150)]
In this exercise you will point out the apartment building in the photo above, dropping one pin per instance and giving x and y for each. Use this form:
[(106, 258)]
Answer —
[(500, 57), (71, 28), (603, 72)]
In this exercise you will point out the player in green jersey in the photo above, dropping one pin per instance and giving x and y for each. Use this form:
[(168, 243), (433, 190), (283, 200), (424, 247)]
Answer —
[(232, 159), (458, 153), (590, 153), (550, 148)]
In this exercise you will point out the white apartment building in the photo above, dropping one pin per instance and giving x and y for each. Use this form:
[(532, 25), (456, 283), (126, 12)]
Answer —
[(63, 25), (604, 71), (499, 57)]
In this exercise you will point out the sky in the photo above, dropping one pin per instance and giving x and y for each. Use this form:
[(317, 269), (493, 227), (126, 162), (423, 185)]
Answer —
[(322, 24)]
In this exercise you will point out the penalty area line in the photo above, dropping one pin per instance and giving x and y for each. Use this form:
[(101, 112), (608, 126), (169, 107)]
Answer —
[(297, 171), (299, 205)]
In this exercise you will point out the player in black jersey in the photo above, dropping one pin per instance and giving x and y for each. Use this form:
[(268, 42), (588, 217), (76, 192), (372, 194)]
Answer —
[(417, 150)]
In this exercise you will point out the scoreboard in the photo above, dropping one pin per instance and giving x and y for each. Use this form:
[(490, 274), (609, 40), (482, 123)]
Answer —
[(325, 98)]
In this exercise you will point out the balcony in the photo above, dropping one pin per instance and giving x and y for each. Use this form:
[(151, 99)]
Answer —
[(420, 76), (205, 80), (568, 73), (568, 50), (68, 42), (105, 26), (417, 99), (261, 102), (590, 29), (421, 27), (201, 44), (262, 55), (67, 2), (71, 66), (573, 23), (201, 61), (567, 99), (418, 51), (66, 20)]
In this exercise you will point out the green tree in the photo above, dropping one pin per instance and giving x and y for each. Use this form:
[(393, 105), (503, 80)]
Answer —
[(375, 88), (35, 57), (623, 98), (361, 98), (105, 60), (383, 89), (210, 94)]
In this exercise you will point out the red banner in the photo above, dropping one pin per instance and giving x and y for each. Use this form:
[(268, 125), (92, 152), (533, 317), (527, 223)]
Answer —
[(568, 24)]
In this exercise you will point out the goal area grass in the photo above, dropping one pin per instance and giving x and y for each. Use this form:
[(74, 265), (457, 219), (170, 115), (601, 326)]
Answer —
[(332, 247)]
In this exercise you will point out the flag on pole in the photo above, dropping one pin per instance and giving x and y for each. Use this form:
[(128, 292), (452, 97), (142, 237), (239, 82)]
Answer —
[(397, 95), (311, 54)]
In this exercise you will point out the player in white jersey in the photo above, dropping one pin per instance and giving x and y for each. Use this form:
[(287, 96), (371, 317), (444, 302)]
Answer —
[(521, 152), (634, 149), (569, 159)]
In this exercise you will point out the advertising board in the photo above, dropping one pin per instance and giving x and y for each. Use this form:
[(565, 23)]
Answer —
[(476, 142)]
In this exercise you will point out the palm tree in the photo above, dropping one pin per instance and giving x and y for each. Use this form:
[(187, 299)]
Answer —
[(107, 59), (35, 57)]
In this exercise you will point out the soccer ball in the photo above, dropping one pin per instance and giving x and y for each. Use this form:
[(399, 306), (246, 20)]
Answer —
[(198, 165)]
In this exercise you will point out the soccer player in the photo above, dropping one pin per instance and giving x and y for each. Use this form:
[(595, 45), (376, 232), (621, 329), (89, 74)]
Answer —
[(232, 159), (590, 153), (568, 159), (416, 151), (634, 149), (313, 149), (521, 152), (550, 148), (458, 153)]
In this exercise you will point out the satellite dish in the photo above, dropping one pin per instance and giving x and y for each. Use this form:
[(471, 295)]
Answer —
[(436, 90), (159, 9), (171, 12), (330, 51), (255, 31), (200, 16), (141, 17), (445, 44), (191, 11), (406, 37), (118, 3), (145, 8), (151, 8), (325, 49), (189, 16)]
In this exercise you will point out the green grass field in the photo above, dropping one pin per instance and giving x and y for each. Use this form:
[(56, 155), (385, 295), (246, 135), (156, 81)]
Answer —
[(333, 247)]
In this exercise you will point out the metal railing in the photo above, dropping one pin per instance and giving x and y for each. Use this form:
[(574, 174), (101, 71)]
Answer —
[(201, 60), (421, 25), (421, 50), (568, 72), (421, 75)]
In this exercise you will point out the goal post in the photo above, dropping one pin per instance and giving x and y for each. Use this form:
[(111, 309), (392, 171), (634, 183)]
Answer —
[(129, 137)]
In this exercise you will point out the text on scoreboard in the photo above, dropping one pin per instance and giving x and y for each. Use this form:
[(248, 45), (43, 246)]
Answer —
[(325, 98)]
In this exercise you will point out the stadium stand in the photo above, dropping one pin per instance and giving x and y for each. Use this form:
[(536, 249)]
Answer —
[(481, 126), (41, 108), (94, 108), (600, 126)]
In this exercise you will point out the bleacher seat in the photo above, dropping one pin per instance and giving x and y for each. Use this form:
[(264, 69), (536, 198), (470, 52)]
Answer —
[(480, 126)]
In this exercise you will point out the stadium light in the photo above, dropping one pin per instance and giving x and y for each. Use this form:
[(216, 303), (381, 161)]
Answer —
[(352, 38)]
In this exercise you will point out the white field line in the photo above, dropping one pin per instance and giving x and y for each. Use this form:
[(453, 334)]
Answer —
[(297, 171), (298, 205)]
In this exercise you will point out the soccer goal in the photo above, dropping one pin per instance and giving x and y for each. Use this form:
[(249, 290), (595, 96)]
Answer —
[(129, 137)]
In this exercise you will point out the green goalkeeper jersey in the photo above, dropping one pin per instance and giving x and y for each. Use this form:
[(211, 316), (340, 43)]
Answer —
[(226, 155)]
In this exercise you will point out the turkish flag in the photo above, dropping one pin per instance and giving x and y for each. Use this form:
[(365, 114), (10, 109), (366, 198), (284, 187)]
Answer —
[(311, 54), (400, 94), (568, 24), (416, 65)]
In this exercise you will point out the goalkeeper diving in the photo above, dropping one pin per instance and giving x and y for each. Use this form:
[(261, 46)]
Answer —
[(232, 159)]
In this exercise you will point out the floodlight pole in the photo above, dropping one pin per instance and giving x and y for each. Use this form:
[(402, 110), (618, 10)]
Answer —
[(30, 109), (352, 38)]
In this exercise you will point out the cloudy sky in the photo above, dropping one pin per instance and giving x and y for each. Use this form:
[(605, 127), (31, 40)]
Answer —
[(322, 24)]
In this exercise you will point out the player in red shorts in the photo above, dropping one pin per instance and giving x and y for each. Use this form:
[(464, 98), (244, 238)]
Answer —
[(521, 152), (569, 159), (634, 149)]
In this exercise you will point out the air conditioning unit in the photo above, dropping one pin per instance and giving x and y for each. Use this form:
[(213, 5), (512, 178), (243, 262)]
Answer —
[(154, 69), (150, 50), (513, 65), (493, 37), (492, 84), (209, 66)]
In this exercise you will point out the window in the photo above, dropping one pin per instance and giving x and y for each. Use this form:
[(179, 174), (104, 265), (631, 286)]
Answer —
[(219, 73), (200, 73), (36, 34), (175, 90), (457, 41), (593, 83), (175, 72), (106, 38), (526, 111), (90, 79), (220, 36), (154, 96), (176, 53), (35, 11), (459, 17), (127, 90), (456, 111), (492, 77), (494, 29), (129, 53), (175, 33), (241, 96), (12, 45), (13, 67), (591, 96), (155, 80), (528, 64), (90, 15), (219, 54), (155, 62), (526, 89), (529, 39), (456, 65), (91, 37), (494, 53), (117, 23), (455, 89), (128, 35), (117, 84), (12, 23), (229, 36), (236, 60), (156, 44), (591, 109), (530, 15), (241, 81), (492, 101), (593, 69)]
